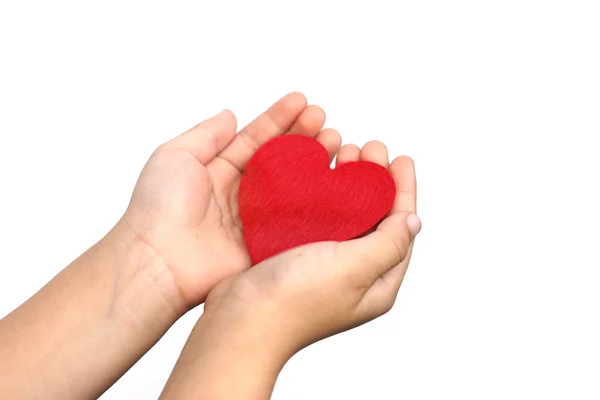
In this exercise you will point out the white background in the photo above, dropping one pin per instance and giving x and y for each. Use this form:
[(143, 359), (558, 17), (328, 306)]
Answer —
[(498, 102)]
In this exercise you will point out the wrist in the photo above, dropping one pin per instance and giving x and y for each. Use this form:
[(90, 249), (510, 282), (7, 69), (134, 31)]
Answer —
[(239, 306), (227, 347), (95, 318), (141, 281), (253, 336)]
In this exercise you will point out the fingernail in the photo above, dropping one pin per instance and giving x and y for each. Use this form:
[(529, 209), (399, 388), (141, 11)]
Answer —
[(414, 224)]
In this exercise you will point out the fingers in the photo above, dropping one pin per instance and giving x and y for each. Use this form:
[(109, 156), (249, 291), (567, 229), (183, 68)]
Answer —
[(402, 171), (276, 121), (399, 228), (331, 140), (347, 153), (208, 138), (373, 255), (380, 297), (375, 151), (310, 122)]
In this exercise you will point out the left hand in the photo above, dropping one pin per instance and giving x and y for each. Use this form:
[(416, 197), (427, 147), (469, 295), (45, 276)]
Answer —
[(184, 207)]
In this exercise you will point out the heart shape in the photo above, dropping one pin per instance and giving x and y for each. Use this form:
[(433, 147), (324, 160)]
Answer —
[(289, 196)]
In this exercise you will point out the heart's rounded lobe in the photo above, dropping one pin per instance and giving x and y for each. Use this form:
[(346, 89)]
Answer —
[(289, 196)]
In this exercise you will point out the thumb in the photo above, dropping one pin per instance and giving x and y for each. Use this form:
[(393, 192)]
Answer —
[(371, 256)]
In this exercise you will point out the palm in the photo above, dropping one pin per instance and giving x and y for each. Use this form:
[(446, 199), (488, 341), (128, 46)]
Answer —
[(184, 206), (310, 276)]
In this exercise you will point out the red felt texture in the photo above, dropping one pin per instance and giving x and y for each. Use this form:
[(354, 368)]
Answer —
[(289, 196)]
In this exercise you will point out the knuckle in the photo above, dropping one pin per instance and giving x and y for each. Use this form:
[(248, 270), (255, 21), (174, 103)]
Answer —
[(354, 273), (164, 147), (386, 307), (249, 140), (400, 248)]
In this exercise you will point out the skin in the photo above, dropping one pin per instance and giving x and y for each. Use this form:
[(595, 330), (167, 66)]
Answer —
[(179, 244), (297, 298)]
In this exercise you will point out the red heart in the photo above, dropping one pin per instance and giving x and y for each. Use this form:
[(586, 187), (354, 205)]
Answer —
[(289, 196)]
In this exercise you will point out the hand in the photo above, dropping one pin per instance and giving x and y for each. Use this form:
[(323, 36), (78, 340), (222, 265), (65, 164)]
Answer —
[(317, 290), (296, 298), (184, 207)]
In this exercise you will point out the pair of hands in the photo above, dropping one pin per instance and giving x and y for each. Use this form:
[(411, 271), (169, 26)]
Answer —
[(180, 243), (184, 209)]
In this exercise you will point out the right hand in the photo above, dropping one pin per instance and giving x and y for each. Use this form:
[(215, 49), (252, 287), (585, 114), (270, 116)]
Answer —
[(320, 289)]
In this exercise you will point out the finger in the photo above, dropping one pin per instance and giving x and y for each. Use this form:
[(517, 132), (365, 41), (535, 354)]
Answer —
[(310, 122), (369, 257), (347, 153), (208, 138), (402, 171), (380, 297), (273, 122), (390, 281), (375, 151), (331, 140)]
